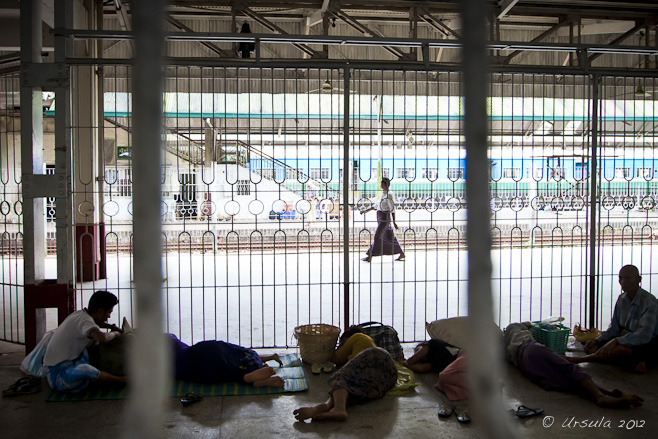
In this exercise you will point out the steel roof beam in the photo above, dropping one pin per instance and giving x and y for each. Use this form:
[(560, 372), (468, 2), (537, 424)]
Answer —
[(438, 25), (539, 38), (368, 32), (505, 7), (274, 28), (620, 38), (217, 50)]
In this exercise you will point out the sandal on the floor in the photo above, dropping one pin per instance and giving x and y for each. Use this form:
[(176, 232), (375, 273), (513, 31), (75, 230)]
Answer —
[(462, 415), (445, 411), (23, 386), (190, 399), (327, 367), (367, 259), (526, 412), (316, 368)]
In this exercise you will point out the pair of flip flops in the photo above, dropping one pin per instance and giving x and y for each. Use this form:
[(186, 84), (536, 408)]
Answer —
[(190, 399), (326, 366), (445, 411), (23, 386), (526, 412)]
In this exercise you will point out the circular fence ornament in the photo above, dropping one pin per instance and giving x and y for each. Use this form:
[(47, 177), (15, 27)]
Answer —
[(516, 204), (303, 206), (86, 209), (111, 208), (256, 207), (279, 206), (608, 202), (409, 205), (232, 208), (628, 202), (557, 204), (363, 204), (577, 203), (537, 203), (647, 203), (495, 204), (432, 204), (453, 204)]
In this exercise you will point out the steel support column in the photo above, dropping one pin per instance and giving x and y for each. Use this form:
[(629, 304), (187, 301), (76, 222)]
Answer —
[(150, 360), (596, 81), (34, 251), (346, 194), (483, 364)]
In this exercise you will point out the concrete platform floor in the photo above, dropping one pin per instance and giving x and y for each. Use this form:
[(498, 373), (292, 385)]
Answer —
[(413, 415)]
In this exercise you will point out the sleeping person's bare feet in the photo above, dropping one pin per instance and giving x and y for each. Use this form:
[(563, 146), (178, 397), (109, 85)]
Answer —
[(304, 413), (625, 400), (334, 414), (273, 381)]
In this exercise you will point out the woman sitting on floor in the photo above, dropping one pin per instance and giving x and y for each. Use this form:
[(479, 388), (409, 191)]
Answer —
[(367, 373), (211, 362)]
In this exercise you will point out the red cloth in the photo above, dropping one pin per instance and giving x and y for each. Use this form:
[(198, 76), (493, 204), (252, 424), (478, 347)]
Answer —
[(453, 380)]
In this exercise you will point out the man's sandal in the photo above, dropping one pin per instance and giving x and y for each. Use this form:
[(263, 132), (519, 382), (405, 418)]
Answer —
[(526, 412), (23, 386), (190, 399), (462, 415), (445, 411)]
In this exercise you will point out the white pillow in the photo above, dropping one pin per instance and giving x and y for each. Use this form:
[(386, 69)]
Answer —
[(453, 330)]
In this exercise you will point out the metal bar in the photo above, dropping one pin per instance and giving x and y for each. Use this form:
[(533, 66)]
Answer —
[(359, 64), (545, 34), (364, 29), (438, 25), (596, 81), (273, 27), (63, 166), (150, 361), (612, 46), (484, 367), (377, 41), (32, 148), (346, 191), (219, 51)]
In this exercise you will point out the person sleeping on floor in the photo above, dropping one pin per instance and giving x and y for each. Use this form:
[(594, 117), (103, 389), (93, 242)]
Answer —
[(551, 371), (205, 362), (536, 362), (212, 362), (366, 372)]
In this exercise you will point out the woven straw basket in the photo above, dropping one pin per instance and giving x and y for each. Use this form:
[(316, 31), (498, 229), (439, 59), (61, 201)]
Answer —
[(316, 342)]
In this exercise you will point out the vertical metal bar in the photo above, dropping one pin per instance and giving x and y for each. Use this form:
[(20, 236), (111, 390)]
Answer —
[(483, 365), (100, 165), (149, 363), (346, 189), (592, 204), (63, 165), (32, 146)]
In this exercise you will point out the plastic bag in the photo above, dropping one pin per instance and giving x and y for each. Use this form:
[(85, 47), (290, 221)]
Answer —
[(405, 382), (32, 363)]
